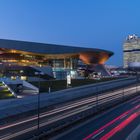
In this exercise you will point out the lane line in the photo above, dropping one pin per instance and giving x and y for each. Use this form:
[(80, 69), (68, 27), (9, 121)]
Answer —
[(123, 116), (135, 101), (1, 137), (97, 134)]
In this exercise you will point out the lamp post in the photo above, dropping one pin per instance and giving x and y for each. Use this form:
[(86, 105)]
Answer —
[(97, 97), (136, 70), (38, 99)]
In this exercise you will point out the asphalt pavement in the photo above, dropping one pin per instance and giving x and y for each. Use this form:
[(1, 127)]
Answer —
[(21, 127), (117, 124)]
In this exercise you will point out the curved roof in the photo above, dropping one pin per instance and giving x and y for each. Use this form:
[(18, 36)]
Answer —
[(43, 48)]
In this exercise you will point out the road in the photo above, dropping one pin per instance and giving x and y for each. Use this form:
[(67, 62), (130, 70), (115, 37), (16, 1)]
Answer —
[(19, 128), (119, 123)]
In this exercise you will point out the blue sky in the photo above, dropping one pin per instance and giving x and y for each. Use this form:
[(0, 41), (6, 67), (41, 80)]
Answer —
[(89, 23)]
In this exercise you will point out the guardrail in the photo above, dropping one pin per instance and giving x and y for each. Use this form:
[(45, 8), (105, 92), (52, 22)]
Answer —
[(86, 90)]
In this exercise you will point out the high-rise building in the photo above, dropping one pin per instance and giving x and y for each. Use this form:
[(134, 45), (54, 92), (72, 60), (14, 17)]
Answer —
[(131, 51)]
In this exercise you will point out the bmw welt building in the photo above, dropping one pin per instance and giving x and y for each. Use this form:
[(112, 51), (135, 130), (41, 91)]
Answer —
[(24, 58)]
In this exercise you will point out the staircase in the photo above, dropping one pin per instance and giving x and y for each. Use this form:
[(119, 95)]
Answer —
[(101, 68)]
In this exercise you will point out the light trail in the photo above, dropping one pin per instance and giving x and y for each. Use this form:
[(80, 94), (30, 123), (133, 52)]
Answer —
[(119, 127), (69, 110), (111, 122)]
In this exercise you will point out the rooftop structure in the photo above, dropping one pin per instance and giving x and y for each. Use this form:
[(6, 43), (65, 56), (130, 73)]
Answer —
[(131, 50)]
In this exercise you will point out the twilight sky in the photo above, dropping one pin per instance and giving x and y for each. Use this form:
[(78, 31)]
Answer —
[(100, 24)]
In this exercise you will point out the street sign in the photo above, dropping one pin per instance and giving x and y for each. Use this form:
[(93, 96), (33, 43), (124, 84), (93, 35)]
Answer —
[(68, 79)]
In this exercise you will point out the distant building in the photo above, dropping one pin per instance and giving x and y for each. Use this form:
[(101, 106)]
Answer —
[(131, 51)]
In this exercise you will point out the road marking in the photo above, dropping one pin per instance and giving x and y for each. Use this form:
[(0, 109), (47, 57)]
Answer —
[(123, 116), (135, 101), (97, 134), (18, 133), (1, 137)]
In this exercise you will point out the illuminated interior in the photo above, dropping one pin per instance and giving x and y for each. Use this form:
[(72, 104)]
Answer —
[(67, 61)]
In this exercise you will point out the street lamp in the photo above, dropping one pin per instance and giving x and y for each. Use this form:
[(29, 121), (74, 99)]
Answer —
[(136, 70), (38, 108), (97, 90)]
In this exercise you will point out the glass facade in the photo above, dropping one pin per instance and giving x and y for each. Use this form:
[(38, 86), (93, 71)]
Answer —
[(27, 58), (63, 66)]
